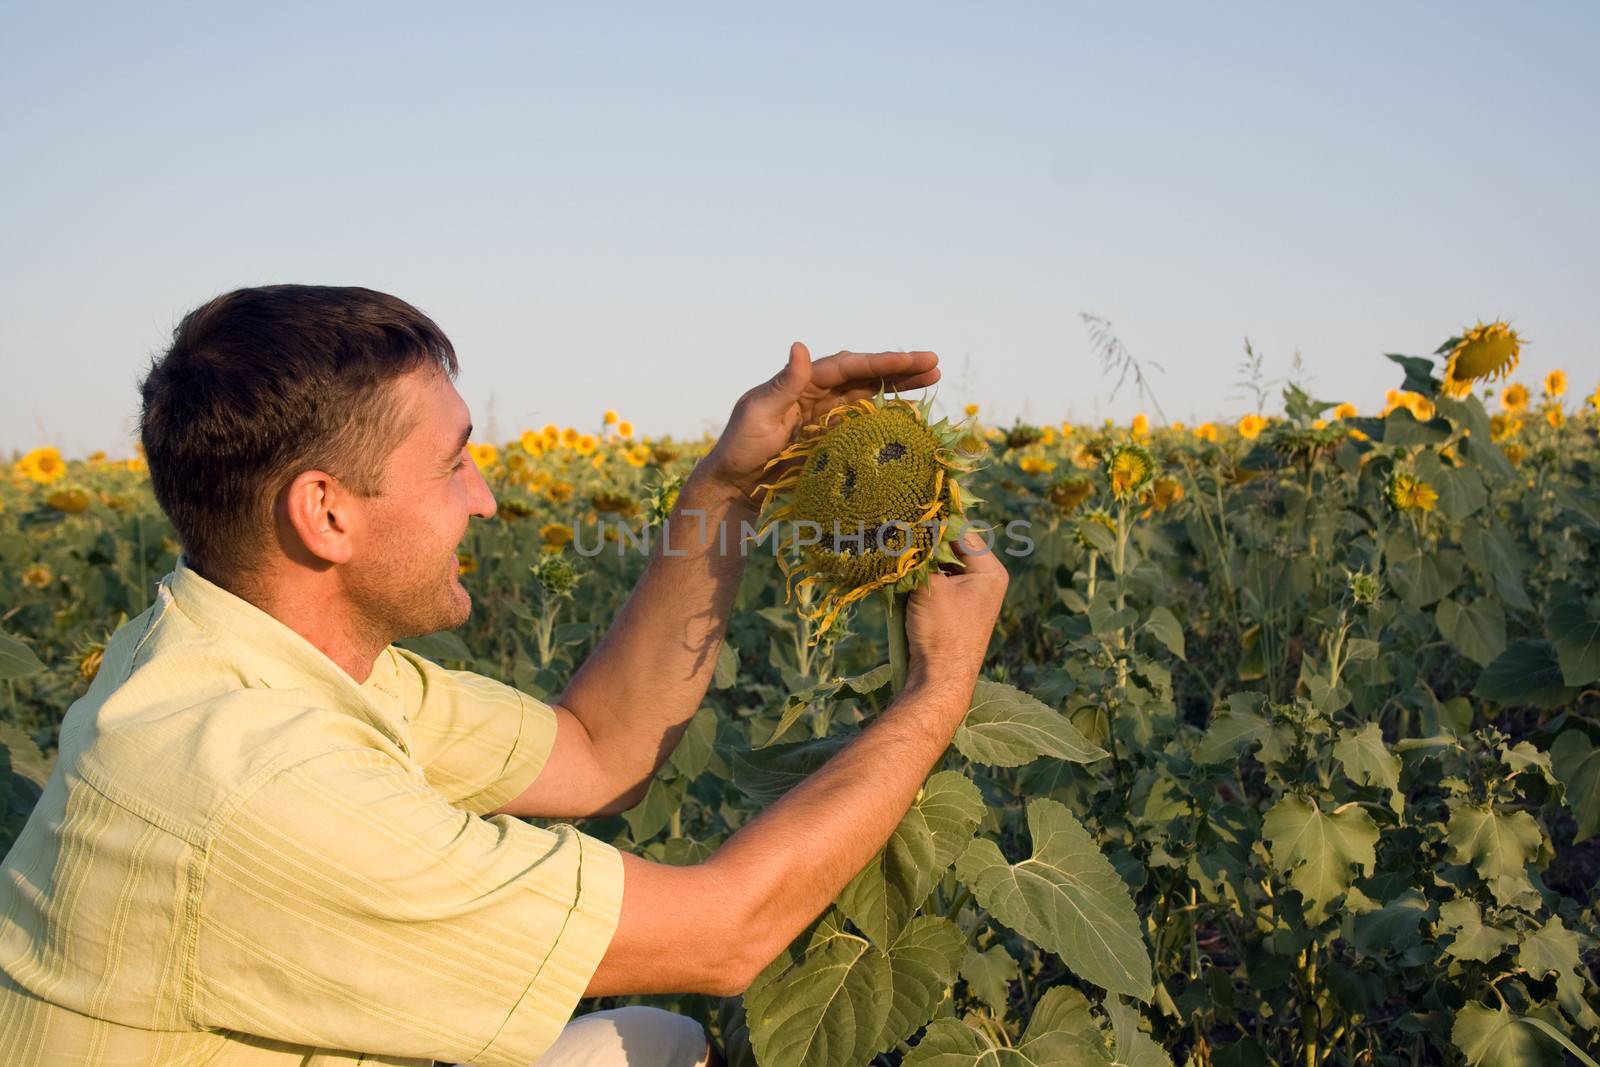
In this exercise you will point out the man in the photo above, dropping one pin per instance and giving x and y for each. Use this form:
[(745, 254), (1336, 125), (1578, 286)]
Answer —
[(274, 838)]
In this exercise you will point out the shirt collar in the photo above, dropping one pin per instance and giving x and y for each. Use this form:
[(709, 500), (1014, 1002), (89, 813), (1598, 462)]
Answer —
[(278, 657)]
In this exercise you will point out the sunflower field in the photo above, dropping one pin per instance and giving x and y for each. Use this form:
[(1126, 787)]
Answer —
[(1287, 749)]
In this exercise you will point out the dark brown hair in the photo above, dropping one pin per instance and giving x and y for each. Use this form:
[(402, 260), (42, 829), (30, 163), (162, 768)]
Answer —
[(262, 384)]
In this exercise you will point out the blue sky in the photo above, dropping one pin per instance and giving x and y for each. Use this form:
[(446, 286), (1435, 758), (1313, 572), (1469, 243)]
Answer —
[(638, 207)]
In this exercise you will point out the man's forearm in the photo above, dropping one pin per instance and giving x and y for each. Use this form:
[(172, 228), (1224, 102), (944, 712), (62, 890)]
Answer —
[(640, 686), (786, 865)]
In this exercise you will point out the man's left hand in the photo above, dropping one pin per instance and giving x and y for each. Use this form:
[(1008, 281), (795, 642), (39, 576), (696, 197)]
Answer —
[(766, 418)]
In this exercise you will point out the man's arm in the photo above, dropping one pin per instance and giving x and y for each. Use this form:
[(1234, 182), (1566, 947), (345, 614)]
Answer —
[(712, 927), (625, 709)]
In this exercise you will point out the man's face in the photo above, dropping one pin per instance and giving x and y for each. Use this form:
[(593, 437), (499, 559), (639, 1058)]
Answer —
[(403, 575)]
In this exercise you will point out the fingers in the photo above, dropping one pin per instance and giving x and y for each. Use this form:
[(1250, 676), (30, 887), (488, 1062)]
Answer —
[(904, 385), (978, 556), (848, 369)]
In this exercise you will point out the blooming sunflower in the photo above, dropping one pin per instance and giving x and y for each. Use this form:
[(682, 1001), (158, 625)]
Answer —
[(485, 455), (1483, 353), (1035, 465), (42, 465), (1141, 425), (1344, 411), (1250, 427), (1555, 384), (1162, 494), (874, 502), (1515, 398), (1207, 431), (1407, 492)]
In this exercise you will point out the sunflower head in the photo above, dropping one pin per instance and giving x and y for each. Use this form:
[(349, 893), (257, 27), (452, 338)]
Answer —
[(1515, 398), (1069, 493), (556, 575), (1483, 353), (1129, 467), (1555, 384), (1022, 435), (1306, 444), (1407, 492), (872, 501)]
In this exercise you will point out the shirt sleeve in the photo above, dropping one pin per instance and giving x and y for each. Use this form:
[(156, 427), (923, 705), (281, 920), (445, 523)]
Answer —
[(479, 741), (347, 905)]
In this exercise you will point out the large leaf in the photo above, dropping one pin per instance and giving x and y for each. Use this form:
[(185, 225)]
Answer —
[(1423, 577), (935, 830), (1320, 852), (1576, 763), (1554, 949), (1477, 629), (1525, 673), (1497, 844), (1165, 627), (922, 968), (952, 1043), (989, 975), (646, 818), (766, 774), (16, 659), (827, 1010), (1573, 626), (1130, 1046), (1366, 759), (1066, 897), (1492, 551), (1471, 939), (1230, 733), (1499, 1039), (1007, 728)]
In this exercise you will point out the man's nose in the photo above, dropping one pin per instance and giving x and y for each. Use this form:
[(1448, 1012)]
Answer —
[(482, 502)]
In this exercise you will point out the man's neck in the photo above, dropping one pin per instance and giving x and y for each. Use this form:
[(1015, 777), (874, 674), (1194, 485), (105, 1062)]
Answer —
[(312, 606)]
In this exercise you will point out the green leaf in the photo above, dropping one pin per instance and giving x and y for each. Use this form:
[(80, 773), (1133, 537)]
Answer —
[(441, 647), (989, 975), (1554, 948), (1318, 851), (1424, 577), (1131, 1047), (1230, 734), (17, 659), (1066, 897), (871, 681), (827, 1010), (1366, 759), (1573, 625), (1493, 552), (1498, 845), (24, 756), (1007, 728), (1470, 938), (1402, 428), (727, 669), (1391, 929), (650, 815), (1419, 374), (1525, 673), (1500, 1039), (766, 774), (934, 830), (922, 968), (1165, 627), (1576, 763), (1476, 630), (952, 1043), (693, 751)]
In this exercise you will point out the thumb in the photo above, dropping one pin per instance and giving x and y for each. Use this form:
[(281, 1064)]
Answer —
[(788, 384)]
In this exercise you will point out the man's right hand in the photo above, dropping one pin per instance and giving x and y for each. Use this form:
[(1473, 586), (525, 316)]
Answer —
[(949, 620)]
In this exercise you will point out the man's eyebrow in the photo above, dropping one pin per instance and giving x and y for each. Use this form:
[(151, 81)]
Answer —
[(466, 435)]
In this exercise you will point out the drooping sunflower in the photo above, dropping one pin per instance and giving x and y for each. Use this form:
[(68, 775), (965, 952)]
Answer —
[(874, 502), (1483, 353)]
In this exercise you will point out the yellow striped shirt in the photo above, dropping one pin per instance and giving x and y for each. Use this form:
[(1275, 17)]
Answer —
[(243, 857)]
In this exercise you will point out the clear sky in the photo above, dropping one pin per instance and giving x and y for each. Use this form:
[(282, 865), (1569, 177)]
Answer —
[(639, 206)]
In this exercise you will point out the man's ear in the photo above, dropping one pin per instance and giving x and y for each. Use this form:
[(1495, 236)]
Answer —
[(321, 512)]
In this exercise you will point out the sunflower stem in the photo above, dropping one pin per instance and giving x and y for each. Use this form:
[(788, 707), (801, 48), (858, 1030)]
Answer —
[(894, 606)]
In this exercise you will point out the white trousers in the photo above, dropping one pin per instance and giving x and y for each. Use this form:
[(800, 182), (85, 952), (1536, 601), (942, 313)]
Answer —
[(634, 1036)]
